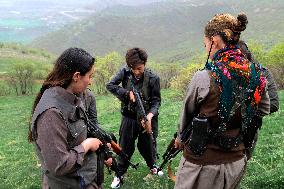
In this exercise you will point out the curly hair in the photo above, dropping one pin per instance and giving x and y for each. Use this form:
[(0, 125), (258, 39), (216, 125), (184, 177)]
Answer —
[(227, 26)]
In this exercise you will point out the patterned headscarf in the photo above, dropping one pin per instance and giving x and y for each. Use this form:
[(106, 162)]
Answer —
[(240, 83)]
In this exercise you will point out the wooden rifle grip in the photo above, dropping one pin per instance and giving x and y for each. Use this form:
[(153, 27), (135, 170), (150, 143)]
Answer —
[(170, 172), (116, 148)]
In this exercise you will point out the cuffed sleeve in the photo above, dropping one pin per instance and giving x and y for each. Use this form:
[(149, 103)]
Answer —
[(81, 153)]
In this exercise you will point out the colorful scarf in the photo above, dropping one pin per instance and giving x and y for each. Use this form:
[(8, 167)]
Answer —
[(240, 83)]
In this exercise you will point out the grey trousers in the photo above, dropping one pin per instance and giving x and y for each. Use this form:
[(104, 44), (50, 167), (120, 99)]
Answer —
[(223, 176)]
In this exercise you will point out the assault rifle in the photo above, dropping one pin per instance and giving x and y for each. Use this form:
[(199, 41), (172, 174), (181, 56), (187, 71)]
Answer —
[(170, 153), (94, 130), (97, 132), (107, 153), (140, 107)]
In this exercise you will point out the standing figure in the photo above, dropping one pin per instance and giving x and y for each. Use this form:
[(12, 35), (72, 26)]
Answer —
[(272, 93), (271, 84), (219, 109), (136, 78), (59, 126)]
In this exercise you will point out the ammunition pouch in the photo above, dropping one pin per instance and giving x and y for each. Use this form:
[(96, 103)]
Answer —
[(198, 134), (198, 138)]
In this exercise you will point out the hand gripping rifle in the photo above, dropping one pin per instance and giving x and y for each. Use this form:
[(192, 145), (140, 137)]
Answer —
[(102, 135), (107, 153), (169, 154), (97, 132), (140, 107)]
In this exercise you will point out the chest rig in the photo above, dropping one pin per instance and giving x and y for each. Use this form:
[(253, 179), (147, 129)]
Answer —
[(128, 108)]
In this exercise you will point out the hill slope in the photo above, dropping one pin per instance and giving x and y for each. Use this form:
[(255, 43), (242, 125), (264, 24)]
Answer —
[(11, 54), (170, 31)]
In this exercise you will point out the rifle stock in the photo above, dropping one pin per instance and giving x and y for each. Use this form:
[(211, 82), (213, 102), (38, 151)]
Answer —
[(169, 154), (115, 147)]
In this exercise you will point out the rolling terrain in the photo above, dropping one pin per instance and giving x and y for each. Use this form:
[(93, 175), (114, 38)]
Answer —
[(170, 30)]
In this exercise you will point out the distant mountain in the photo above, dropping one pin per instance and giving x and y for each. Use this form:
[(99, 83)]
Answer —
[(24, 20), (169, 31), (11, 54), (19, 51)]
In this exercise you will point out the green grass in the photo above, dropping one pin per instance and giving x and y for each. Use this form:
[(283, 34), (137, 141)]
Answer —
[(13, 53), (6, 64), (19, 165), (18, 162), (266, 168)]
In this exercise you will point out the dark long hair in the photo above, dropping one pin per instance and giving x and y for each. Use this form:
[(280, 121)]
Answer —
[(70, 61)]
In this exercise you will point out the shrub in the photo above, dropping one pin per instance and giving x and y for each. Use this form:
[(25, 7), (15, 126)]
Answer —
[(272, 59), (5, 89), (105, 68), (166, 72), (182, 80), (275, 63)]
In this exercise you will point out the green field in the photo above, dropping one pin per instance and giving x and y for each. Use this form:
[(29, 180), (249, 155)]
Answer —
[(19, 165)]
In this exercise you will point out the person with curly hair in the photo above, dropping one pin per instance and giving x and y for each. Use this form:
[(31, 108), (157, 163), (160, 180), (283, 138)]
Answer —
[(219, 109)]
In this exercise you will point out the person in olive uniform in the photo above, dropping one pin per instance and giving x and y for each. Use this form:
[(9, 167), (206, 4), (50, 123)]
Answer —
[(271, 88)]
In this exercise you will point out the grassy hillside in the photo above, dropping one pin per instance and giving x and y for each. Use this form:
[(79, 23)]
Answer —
[(18, 57), (19, 165), (170, 31), (11, 53)]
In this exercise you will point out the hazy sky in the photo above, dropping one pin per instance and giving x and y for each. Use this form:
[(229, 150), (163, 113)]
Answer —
[(28, 5), (131, 2)]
